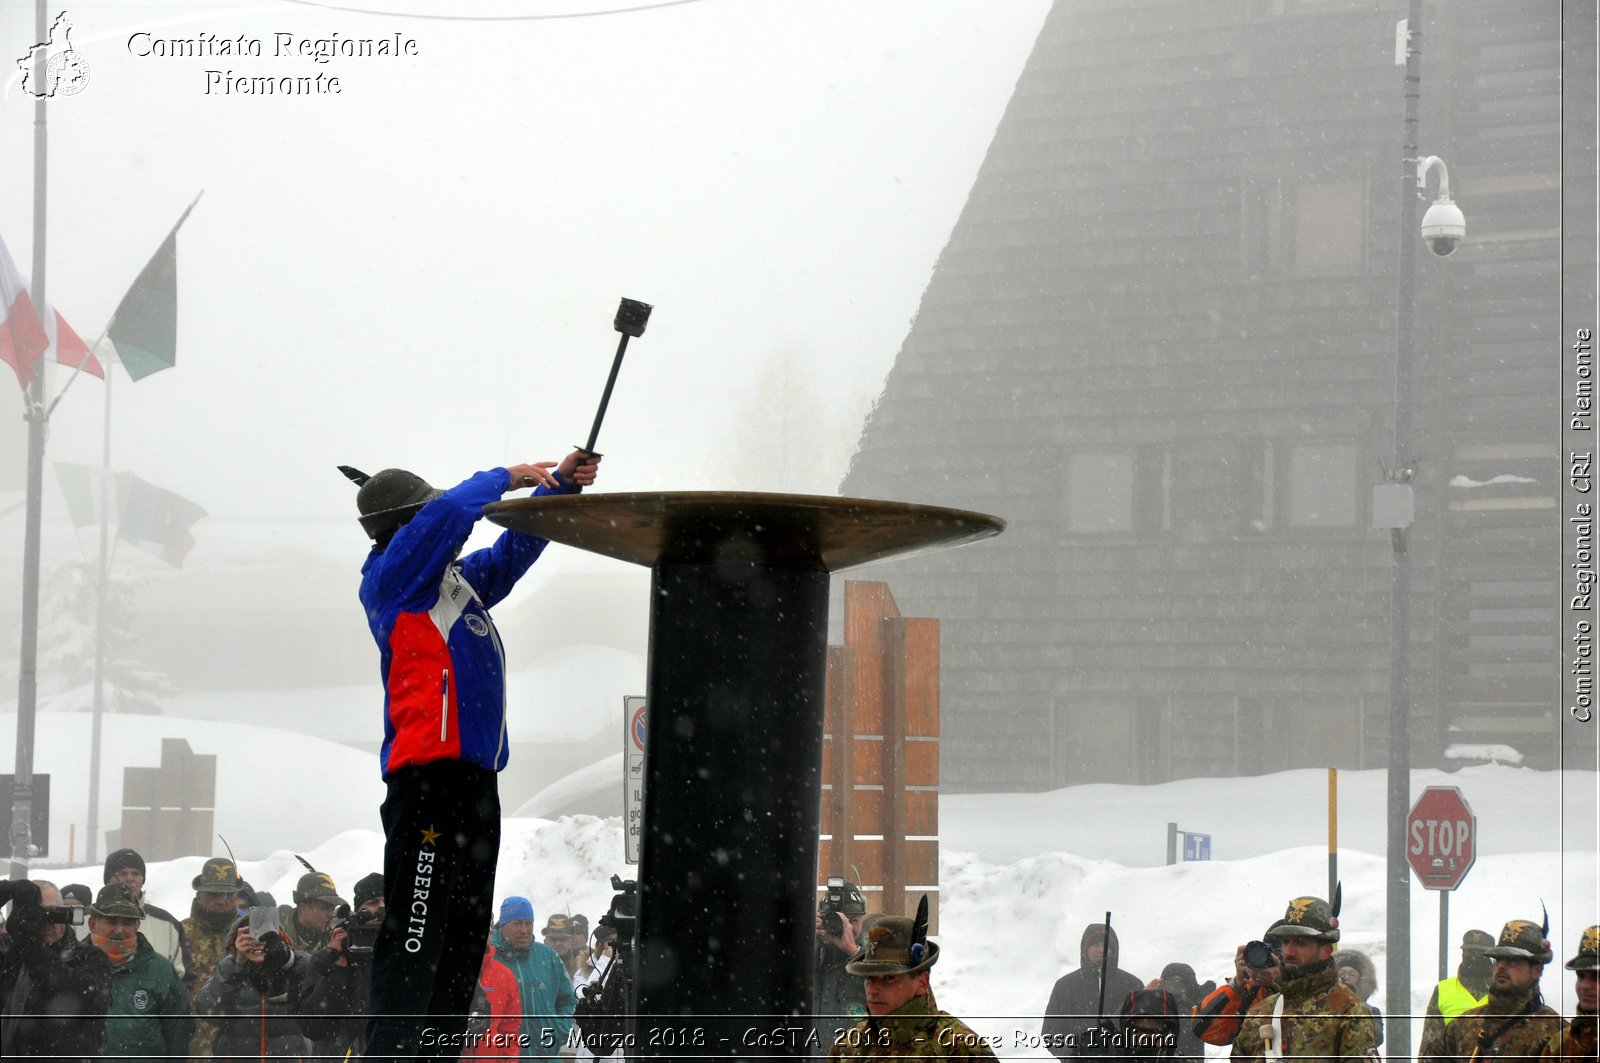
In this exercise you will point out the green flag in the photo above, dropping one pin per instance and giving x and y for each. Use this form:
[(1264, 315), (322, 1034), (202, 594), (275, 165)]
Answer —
[(144, 328)]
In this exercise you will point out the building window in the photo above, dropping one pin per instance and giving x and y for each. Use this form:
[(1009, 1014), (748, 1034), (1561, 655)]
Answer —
[(1299, 485), (1117, 492), (1281, 734), (1303, 228), (1320, 488), (1110, 739)]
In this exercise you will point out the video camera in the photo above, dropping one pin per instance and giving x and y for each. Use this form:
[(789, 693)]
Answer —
[(362, 928), (602, 1008)]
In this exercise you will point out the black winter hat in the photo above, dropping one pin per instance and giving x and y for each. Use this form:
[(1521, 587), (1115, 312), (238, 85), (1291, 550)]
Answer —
[(78, 892), (120, 859), (368, 888)]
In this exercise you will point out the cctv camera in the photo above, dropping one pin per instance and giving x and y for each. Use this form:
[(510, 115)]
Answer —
[(1443, 226)]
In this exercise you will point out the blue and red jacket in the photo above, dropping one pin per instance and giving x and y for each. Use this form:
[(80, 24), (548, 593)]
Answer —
[(444, 690)]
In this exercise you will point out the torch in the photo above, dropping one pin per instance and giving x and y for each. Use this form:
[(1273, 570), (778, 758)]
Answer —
[(632, 316)]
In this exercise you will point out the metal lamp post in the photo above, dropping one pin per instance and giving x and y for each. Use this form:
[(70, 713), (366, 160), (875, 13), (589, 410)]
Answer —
[(1394, 506)]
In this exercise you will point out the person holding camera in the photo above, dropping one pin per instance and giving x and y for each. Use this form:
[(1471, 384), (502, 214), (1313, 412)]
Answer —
[(338, 978), (841, 998), (1312, 1014), (54, 989), (148, 1017), (253, 997), (1256, 967)]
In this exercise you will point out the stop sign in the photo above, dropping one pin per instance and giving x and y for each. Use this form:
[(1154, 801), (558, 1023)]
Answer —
[(1441, 838)]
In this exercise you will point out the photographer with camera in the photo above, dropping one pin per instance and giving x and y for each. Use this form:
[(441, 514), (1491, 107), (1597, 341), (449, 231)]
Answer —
[(252, 999), (1312, 1015), (53, 988), (338, 978), (1256, 967), (840, 997)]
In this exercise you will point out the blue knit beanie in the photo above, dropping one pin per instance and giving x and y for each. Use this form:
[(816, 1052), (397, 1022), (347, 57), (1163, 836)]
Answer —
[(513, 908)]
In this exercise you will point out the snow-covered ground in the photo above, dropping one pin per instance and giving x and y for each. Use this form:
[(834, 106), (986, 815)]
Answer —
[(1021, 874)]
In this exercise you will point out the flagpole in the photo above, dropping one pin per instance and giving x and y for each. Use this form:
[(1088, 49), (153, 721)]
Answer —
[(27, 669), (107, 499)]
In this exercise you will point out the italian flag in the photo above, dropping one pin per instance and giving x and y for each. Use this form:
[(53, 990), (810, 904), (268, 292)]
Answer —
[(26, 335)]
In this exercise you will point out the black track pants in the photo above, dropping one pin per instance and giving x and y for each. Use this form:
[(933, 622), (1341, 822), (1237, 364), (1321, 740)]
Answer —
[(441, 822)]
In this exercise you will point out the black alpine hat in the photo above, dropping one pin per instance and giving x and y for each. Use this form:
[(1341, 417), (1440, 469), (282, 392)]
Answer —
[(389, 498)]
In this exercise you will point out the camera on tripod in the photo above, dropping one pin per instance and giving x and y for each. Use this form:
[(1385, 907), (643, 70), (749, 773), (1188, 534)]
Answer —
[(602, 1008)]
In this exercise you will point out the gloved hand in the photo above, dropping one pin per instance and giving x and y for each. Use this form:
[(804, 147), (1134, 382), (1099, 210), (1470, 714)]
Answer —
[(27, 920), (275, 951)]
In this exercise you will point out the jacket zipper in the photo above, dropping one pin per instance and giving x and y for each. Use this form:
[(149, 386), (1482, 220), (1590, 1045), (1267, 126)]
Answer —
[(500, 651), (444, 707)]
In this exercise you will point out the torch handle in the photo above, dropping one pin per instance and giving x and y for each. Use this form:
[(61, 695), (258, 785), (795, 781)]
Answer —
[(605, 400)]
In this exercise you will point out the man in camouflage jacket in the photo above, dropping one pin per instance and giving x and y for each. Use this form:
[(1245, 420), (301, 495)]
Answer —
[(903, 1021), (1313, 1015), (211, 915), (1578, 1040), (1515, 1023)]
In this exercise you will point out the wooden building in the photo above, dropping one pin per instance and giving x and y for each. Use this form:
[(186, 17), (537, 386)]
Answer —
[(1161, 342)]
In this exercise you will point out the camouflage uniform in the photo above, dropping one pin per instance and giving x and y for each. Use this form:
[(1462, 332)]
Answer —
[(1506, 1027), (207, 935), (207, 943), (1322, 1018), (919, 1030), (1519, 1035), (893, 945), (313, 886), (1578, 1040)]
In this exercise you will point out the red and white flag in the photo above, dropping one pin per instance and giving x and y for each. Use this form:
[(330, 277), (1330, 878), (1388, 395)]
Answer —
[(67, 347), (22, 336)]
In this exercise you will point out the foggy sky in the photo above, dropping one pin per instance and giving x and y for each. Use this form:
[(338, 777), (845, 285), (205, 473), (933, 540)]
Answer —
[(422, 269)]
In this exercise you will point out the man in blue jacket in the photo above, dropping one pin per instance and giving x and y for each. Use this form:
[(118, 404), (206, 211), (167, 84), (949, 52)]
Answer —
[(444, 736)]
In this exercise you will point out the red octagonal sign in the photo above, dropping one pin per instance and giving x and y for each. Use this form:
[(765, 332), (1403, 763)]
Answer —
[(1441, 838)]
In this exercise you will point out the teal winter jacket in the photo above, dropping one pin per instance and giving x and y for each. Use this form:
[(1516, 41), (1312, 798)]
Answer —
[(547, 997)]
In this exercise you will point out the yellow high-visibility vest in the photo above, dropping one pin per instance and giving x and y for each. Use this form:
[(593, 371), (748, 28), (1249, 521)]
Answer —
[(1454, 998)]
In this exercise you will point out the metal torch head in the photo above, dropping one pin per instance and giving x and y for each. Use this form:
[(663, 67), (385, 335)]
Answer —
[(632, 316)]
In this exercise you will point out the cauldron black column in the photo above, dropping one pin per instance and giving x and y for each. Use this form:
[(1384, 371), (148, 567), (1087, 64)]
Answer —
[(738, 648)]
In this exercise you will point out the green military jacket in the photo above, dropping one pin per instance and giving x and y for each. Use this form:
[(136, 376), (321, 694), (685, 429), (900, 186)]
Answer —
[(919, 1030), (1322, 1019), (1519, 1027), (1576, 1041), (148, 1018)]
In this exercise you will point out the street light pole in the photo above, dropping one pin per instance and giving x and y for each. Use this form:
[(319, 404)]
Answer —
[(1401, 471)]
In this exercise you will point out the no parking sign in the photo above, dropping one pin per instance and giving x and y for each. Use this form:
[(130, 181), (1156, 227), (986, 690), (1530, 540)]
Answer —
[(633, 734)]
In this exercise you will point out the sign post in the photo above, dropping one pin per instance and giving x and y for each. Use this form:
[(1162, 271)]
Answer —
[(633, 731), (1441, 846)]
